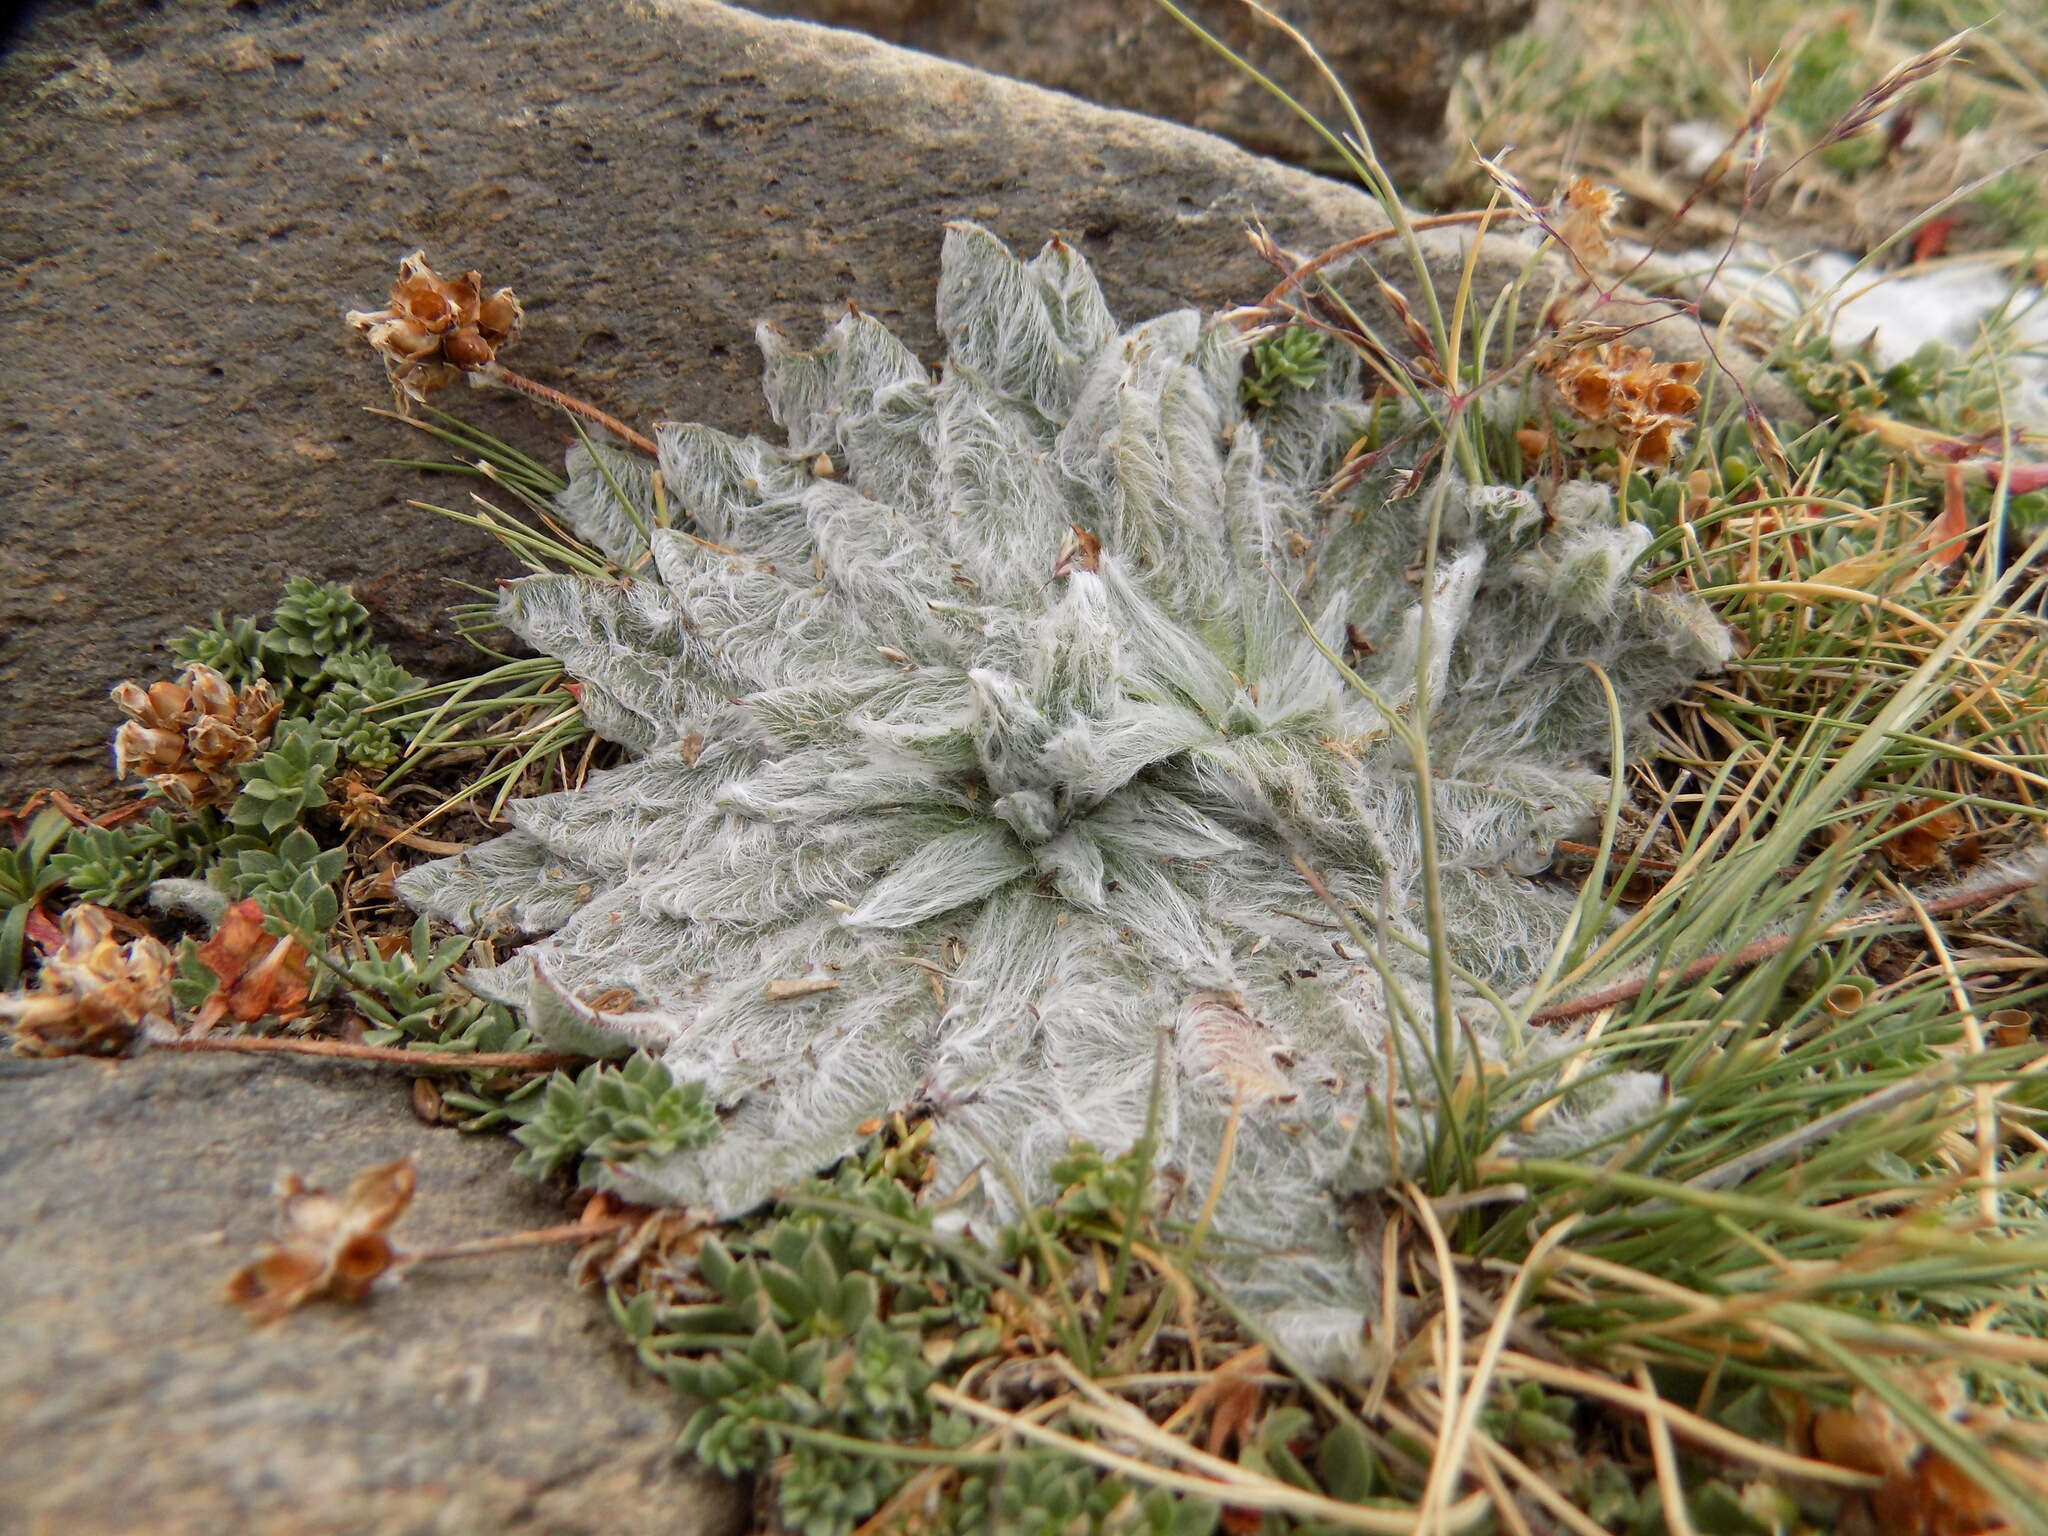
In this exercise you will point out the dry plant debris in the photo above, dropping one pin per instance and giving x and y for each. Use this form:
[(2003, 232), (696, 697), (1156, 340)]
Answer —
[(337, 1246), (327, 1245), (1627, 398), (1585, 221), (1925, 833), (261, 975), (1924, 1493), (187, 738), (436, 329), (94, 995)]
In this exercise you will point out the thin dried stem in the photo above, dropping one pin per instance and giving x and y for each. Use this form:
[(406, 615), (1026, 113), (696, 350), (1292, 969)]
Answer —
[(533, 389), (539, 1237), (1763, 949), (388, 1055)]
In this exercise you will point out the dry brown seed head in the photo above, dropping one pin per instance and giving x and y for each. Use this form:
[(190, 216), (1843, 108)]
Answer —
[(467, 350), (435, 328), (94, 996), (187, 738), (500, 316)]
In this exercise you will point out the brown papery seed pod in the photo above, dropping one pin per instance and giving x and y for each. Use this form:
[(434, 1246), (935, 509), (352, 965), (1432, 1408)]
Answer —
[(467, 350)]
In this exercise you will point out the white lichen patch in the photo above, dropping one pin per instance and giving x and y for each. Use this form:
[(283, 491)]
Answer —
[(973, 775)]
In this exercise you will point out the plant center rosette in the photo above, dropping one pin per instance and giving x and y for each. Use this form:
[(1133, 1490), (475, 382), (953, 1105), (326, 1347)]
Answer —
[(978, 737)]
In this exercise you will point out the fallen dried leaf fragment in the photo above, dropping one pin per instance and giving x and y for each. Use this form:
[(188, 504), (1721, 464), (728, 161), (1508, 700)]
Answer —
[(1925, 829), (1924, 1493), (327, 1245), (93, 996), (784, 988), (261, 976), (1945, 539)]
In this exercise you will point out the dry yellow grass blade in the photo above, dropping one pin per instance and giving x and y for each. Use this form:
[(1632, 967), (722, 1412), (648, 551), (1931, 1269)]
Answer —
[(1454, 1452), (1703, 1432), (1231, 1483)]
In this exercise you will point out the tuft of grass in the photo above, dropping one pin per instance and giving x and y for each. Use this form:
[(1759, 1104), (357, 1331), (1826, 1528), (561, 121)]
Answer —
[(516, 727), (1606, 89)]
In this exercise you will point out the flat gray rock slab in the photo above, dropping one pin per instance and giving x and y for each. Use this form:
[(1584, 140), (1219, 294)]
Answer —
[(471, 1398), (1398, 59)]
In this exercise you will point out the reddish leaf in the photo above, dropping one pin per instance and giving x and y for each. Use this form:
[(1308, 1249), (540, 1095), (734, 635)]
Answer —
[(260, 976), (1946, 538), (42, 932), (2024, 478), (1931, 239), (1237, 1404)]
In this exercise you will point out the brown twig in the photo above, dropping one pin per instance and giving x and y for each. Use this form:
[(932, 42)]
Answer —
[(533, 389), (1337, 252), (405, 837), (539, 1237), (1763, 949), (392, 1055)]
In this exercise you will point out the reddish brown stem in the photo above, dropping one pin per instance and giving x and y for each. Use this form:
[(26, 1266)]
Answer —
[(540, 1237), (1763, 949), (405, 837), (392, 1055), (533, 389), (1315, 264)]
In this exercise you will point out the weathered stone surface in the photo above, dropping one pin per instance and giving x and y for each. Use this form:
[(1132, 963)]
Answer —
[(1398, 59), (191, 194), (194, 194), (472, 1398)]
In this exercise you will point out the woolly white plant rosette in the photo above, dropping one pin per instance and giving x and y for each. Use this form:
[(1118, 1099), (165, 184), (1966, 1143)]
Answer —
[(932, 802)]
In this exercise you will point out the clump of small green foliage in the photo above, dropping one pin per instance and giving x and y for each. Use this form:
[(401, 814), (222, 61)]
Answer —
[(285, 783), (292, 881), (610, 1115), (410, 996), (232, 647), (352, 713), (337, 686), (1292, 359), (312, 622), (814, 1338), (319, 655), (115, 866), (27, 874)]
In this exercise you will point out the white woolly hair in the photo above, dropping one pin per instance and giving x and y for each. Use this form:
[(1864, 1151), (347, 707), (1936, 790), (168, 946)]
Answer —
[(933, 803)]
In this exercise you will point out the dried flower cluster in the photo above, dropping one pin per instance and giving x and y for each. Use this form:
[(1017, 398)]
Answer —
[(1627, 398), (327, 1245), (187, 738), (1924, 1493), (974, 774), (1585, 220), (94, 996), (436, 329)]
